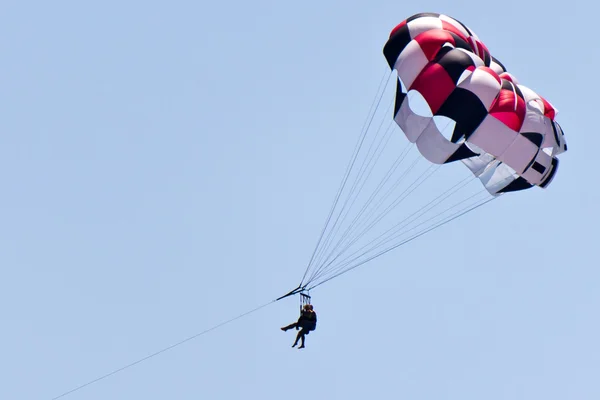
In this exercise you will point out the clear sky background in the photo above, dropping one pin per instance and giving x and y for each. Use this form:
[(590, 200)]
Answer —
[(169, 165)]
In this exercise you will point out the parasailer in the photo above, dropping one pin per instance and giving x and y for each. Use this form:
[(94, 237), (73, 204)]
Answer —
[(307, 322), (503, 132)]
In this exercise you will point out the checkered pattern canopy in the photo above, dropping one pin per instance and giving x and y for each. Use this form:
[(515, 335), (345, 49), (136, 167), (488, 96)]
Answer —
[(504, 132)]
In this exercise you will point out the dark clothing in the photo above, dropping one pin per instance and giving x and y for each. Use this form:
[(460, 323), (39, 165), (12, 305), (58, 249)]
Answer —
[(308, 323)]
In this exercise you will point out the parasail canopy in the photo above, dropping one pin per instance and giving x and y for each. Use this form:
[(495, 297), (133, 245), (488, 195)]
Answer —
[(505, 133)]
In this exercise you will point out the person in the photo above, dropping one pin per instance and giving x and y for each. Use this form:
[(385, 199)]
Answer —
[(307, 322)]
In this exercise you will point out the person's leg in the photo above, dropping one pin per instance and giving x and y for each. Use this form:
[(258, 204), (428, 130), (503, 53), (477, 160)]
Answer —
[(299, 336), (302, 335), (290, 326)]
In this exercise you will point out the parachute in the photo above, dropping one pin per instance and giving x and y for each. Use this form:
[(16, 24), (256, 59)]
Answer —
[(502, 131), (505, 133)]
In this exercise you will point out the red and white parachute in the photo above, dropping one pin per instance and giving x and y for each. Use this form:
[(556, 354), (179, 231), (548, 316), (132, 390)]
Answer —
[(504, 131)]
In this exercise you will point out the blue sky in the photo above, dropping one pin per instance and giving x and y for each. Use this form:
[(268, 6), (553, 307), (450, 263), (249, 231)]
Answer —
[(167, 166)]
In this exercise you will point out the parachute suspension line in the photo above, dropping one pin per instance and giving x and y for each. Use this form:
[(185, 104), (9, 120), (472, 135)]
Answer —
[(396, 231), (336, 250), (341, 268), (322, 265), (394, 187), (419, 234), (379, 187), (374, 105), (400, 229), (319, 262), (368, 164), (322, 269), (386, 179), (362, 166), (399, 234), (347, 266), (403, 195)]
